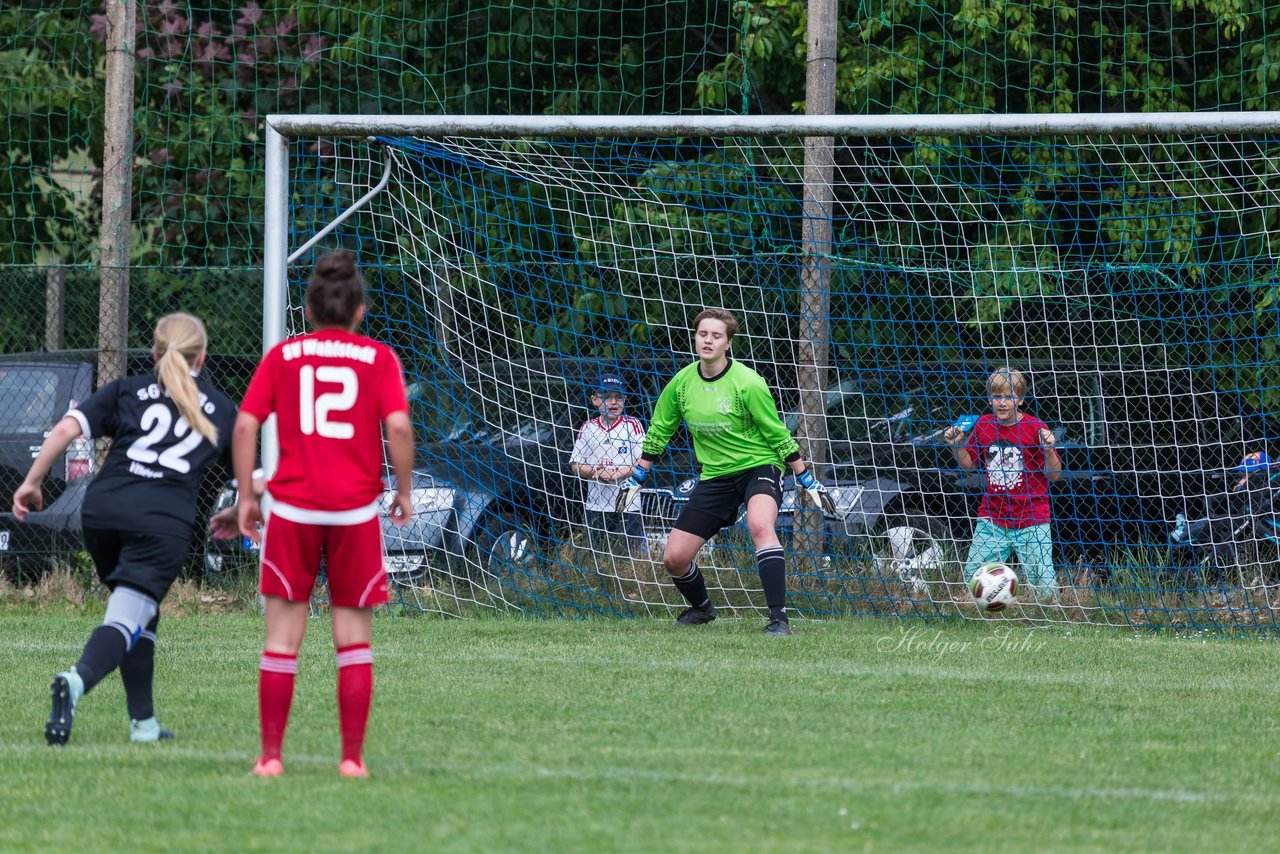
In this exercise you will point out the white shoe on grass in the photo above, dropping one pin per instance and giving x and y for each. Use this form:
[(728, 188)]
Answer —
[(143, 732)]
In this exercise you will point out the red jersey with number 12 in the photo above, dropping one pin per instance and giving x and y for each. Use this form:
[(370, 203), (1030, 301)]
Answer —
[(330, 391)]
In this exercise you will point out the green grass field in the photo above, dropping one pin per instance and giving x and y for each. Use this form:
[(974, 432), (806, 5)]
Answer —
[(519, 734)]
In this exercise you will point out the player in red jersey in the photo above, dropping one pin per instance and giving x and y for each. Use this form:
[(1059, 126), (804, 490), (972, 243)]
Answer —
[(333, 393)]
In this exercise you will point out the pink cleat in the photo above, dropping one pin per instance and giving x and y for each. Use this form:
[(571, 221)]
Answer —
[(352, 768), (268, 768)]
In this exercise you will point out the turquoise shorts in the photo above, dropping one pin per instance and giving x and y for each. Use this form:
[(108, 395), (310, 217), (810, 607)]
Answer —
[(1033, 547)]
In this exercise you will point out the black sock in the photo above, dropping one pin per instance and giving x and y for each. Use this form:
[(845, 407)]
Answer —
[(137, 672), (102, 654), (693, 587), (773, 578)]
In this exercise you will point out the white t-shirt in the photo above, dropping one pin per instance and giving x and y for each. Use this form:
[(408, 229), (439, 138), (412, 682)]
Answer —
[(615, 446)]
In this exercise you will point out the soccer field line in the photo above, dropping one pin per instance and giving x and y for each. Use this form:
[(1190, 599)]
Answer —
[(1086, 680), (624, 774), (1129, 681)]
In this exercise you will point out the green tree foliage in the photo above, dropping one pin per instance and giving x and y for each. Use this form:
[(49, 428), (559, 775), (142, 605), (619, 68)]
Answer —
[(1137, 236), (52, 130), (206, 77), (227, 300), (952, 56), (208, 74)]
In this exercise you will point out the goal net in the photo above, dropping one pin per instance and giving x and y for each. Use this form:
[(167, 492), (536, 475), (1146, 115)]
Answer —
[(1125, 266)]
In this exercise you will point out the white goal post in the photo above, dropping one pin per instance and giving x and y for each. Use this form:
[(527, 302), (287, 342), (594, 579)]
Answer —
[(1124, 262)]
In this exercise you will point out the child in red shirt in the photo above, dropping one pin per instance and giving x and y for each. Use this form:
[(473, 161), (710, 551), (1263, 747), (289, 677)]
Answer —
[(1017, 453)]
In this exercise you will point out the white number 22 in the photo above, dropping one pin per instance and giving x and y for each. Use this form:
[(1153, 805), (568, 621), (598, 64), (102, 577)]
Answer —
[(316, 411), (156, 420)]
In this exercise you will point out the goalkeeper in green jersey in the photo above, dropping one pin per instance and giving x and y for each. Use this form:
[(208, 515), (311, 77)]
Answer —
[(743, 447)]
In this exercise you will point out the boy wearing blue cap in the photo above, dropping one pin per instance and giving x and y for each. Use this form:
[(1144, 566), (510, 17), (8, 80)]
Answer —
[(605, 453)]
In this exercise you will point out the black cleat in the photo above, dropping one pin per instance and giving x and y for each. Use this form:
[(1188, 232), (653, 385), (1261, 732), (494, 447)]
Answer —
[(778, 626), (697, 616), (58, 730)]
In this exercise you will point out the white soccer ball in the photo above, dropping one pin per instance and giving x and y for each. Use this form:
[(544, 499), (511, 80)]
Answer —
[(994, 587)]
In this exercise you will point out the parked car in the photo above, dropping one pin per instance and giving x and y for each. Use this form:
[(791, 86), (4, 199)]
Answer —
[(36, 390), (1235, 528)]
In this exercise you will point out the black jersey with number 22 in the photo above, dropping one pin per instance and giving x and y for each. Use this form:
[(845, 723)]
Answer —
[(151, 478)]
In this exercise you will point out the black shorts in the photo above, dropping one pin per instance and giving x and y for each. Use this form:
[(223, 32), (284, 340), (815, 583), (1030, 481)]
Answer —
[(148, 563), (714, 503), (608, 532)]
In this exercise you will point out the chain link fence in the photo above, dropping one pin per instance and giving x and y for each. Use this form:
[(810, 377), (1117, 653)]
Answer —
[(49, 360), (57, 308)]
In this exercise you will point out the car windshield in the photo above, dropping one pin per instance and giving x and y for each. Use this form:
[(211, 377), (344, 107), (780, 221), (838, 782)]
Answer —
[(491, 408), (29, 399)]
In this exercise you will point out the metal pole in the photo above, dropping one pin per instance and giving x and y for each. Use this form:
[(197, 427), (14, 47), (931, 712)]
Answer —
[(275, 273), (117, 194), (276, 239), (345, 215)]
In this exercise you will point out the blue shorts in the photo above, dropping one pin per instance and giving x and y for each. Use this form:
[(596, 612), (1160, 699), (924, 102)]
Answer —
[(1033, 547)]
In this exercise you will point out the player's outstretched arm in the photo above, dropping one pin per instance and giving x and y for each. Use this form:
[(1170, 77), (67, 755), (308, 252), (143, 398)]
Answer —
[(399, 430), (244, 452), (28, 496)]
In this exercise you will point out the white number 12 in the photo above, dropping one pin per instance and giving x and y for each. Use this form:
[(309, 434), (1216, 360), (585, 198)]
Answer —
[(315, 411)]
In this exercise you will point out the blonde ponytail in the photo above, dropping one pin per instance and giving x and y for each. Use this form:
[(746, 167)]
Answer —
[(180, 339)]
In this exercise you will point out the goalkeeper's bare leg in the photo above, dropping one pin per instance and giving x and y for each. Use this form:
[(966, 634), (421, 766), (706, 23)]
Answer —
[(680, 560), (762, 522)]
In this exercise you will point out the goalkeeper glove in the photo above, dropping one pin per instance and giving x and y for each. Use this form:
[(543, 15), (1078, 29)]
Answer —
[(630, 488), (817, 493)]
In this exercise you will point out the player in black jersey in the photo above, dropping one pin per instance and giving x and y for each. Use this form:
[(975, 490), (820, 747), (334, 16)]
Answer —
[(139, 512)]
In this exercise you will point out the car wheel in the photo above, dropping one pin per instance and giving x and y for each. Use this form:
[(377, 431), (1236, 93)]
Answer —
[(505, 549), (914, 548), (225, 568)]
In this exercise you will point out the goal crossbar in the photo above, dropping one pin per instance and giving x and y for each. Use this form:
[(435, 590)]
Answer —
[(1013, 124)]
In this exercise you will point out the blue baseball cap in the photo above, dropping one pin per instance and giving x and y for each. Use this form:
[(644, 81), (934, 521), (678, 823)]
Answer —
[(1256, 461), (610, 382)]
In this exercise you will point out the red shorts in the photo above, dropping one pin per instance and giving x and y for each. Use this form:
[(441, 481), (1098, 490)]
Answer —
[(291, 553)]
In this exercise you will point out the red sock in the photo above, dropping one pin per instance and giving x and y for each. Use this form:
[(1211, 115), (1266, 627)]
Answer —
[(276, 673), (355, 693)]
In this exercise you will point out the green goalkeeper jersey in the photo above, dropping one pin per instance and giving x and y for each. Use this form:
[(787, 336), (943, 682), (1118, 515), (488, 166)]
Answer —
[(732, 419)]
